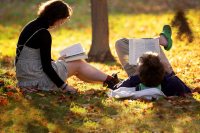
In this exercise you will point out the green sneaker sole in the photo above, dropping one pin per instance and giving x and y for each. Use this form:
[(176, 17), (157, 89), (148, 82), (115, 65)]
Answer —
[(167, 33)]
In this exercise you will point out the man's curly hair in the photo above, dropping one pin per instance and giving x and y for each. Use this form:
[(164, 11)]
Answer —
[(151, 69), (54, 10)]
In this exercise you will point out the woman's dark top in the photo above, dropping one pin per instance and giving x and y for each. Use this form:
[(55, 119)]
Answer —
[(41, 40)]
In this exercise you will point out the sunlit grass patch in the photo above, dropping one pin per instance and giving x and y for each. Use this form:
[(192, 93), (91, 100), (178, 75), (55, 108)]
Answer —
[(88, 124), (80, 111)]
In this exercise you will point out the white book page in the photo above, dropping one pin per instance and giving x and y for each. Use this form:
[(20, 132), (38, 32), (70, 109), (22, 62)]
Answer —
[(76, 57), (137, 47), (72, 50)]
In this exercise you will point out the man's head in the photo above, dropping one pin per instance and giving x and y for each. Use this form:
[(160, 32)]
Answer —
[(151, 70), (54, 11)]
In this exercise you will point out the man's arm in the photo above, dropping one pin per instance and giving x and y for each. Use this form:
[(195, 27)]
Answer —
[(132, 81)]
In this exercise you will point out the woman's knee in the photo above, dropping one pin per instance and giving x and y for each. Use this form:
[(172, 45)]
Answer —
[(76, 63), (74, 66)]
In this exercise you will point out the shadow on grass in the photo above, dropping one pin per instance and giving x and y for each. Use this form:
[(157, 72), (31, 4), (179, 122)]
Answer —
[(177, 113), (65, 111), (55, 112), (70, 113)]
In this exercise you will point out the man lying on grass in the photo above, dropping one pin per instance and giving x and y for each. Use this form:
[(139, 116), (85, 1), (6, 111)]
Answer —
[(152, 71)]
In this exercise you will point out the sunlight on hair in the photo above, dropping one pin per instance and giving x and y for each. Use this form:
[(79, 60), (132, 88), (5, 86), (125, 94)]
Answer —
[(146, 53), (43, 5), (151, 53)]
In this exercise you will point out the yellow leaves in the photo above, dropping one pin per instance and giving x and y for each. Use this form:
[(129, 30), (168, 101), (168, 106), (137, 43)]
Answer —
[(78, 110), (90, 124), (126, 102), (196, 96)]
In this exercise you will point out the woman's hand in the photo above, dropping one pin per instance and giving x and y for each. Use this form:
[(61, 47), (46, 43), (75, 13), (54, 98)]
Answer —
[(69, 89)]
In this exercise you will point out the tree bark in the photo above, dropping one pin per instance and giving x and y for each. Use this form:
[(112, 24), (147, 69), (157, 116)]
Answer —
[(180, 21), (100, 50)]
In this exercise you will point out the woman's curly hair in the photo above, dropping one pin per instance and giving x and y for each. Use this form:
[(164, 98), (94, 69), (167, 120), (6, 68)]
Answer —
[(151, 69), (54, 10)]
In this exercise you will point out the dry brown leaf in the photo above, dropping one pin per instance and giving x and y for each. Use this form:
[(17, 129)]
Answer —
[(10, 88), (89, 92), (197, 89), (41, 94), (3, 101), (1, 83), (10, 94)]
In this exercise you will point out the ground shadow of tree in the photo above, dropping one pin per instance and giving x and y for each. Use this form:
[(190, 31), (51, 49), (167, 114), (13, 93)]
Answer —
[(56, 107), (173, 108)]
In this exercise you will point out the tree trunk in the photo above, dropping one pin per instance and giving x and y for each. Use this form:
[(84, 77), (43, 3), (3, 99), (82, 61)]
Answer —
[(180, 20), (100, 50), (184, 30)]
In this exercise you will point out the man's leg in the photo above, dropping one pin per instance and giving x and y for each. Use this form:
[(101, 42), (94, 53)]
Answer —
[(122, 49), (165, 61)]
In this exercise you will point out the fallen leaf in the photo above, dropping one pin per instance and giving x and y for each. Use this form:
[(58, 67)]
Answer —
[(10, 74), (3, 101), (89, 92), (10, 88), (197, 89), (126, 102), (10, 94), (1, 83), (28, 97), (160, 116), (41, 94), (43, 106)]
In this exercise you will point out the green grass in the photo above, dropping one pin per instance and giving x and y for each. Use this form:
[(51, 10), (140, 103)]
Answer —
[(91, 110)]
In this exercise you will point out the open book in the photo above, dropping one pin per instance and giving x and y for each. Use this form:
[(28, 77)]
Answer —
[(137, 47), (74, 52)]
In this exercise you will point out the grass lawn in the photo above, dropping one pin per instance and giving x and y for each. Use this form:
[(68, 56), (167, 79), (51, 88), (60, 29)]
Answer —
[(91, 110)]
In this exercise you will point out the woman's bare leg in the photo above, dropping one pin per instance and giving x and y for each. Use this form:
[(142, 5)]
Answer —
[(85, 72)]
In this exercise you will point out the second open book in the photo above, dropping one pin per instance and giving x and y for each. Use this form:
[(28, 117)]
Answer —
[(137, 47), (74, 52)]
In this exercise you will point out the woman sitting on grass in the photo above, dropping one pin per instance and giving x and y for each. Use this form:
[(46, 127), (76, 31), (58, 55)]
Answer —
[(34, 66), (152, 71)]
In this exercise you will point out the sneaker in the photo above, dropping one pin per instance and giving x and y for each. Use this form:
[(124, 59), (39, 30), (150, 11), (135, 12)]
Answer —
[(167, 33), (112, 82)]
